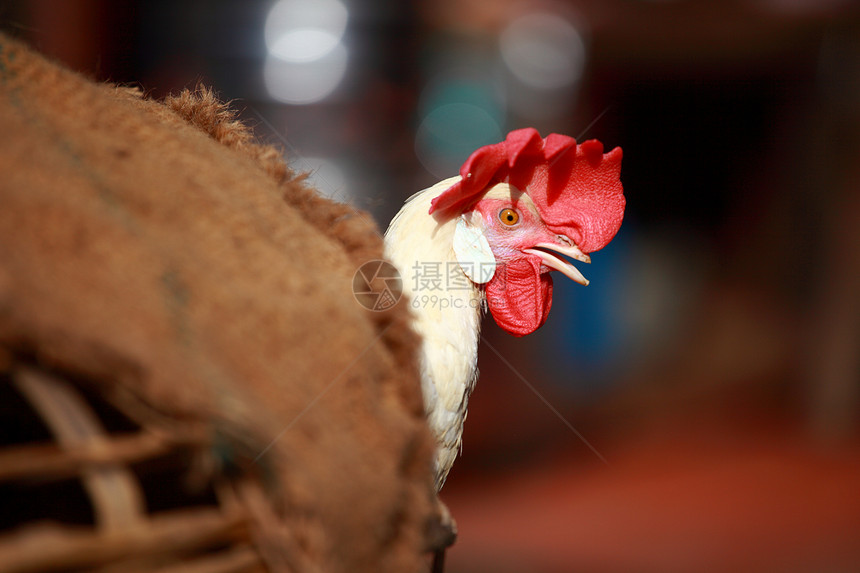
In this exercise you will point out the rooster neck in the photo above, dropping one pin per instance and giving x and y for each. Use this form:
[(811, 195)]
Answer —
[(447, 309)]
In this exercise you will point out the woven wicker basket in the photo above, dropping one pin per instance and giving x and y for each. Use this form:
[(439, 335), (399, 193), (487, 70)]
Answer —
[(87, 484)]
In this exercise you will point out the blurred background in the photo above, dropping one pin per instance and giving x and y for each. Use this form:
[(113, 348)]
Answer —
[(696, 408)]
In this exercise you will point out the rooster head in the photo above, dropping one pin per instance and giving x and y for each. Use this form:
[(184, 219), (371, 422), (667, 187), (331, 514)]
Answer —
[(523, 203)]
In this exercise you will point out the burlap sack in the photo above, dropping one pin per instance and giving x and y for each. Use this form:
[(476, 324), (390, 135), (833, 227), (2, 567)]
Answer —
[(154, 253)]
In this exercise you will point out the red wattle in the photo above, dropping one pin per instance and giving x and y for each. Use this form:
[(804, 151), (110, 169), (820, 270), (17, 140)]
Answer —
[(519, 296)]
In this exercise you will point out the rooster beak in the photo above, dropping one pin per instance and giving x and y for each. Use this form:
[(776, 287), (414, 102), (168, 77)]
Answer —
[(554, 262)]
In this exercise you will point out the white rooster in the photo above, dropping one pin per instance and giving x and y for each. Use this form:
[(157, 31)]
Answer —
[(489, 239)]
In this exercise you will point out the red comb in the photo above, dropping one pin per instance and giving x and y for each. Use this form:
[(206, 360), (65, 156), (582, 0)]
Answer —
[(576, 188)]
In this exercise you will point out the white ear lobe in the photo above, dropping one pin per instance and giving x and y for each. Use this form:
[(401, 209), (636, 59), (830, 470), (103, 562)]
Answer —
[(473, 252)]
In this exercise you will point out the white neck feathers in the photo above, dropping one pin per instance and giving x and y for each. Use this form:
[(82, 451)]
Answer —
[(447, 309)]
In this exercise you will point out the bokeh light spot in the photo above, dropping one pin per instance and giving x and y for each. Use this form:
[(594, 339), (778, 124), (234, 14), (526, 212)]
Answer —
[(307, 59), (305, 82), (544, 51), (449, 133)]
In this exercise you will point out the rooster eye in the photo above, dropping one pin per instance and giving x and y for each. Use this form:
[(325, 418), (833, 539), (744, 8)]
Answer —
[(509, 217)]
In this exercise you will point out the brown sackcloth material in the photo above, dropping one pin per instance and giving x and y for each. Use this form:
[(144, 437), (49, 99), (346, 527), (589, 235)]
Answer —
[(154, 250)]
